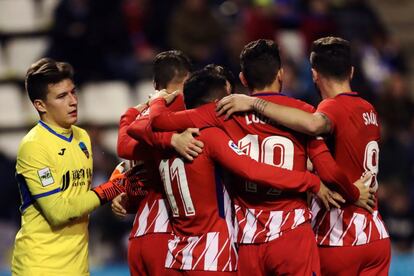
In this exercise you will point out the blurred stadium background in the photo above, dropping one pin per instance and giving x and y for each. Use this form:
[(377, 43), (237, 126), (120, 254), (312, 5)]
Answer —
[(111, 44)]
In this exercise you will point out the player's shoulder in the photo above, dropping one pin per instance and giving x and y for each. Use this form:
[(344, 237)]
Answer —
[(33, 142), (35, 135), (79, 130)]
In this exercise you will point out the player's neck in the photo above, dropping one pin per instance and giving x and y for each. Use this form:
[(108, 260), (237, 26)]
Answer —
[(172, 87), (332, 88), (55, 126), (275, 87)]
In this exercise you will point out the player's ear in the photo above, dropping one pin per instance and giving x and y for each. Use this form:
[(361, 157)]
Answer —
[(315, 75), (352, 73), (243, 79), (279, 75), (39, 105)]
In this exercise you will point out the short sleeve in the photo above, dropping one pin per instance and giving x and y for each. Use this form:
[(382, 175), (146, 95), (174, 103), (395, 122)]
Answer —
[(329, 108), (36, 168)]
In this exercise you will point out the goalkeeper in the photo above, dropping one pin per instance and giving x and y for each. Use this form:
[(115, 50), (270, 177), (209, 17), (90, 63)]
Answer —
[(54, 173)]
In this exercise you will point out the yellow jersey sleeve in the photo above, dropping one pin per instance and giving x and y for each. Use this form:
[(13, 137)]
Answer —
[(37, 167)]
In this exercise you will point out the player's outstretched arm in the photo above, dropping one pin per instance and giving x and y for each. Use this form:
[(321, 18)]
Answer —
[(184, 143), (165, 120), (296, 119), (126, 146), (59, 210), (224, 151)]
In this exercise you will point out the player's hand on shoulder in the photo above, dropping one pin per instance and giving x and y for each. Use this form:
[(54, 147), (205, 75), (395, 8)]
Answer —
[(140, 107), (168, 97), (234, 103), (329, 198), (366, 198), (186, 145)]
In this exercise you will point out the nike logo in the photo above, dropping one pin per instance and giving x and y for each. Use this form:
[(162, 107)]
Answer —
[(62, 151)]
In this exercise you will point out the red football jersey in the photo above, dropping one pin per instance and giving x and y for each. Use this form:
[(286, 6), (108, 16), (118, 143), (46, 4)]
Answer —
[(200, 205), (355, 134), (262, 213), (151, 215)]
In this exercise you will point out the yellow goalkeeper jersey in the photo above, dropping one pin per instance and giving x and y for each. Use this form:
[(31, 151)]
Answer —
[(52, 160)]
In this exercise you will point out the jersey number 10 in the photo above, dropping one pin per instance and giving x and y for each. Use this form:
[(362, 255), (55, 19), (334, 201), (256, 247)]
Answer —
[(265, 152)]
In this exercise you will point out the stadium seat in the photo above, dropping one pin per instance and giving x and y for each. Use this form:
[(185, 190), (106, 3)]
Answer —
[(21, 52), (18, 16), (47, 9), (11, 107), (3, 66), (9, 142), (103, 103), (109, 139), (142, 90)]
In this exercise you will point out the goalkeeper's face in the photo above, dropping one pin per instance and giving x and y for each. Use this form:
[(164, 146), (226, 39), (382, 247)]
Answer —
[(61, 105)]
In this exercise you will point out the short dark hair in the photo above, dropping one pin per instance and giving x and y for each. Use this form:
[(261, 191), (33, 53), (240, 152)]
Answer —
[(203, 86), (168, 66), (331, 57), (44, 72), (260, 62), (224, 72)]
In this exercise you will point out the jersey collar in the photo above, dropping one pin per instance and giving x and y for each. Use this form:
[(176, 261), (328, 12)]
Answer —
[(53, 131), (268, 93), (351, 94)]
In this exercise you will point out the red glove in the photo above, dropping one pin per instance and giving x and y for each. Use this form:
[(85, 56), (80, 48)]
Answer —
[(116, 185), (136, 179)]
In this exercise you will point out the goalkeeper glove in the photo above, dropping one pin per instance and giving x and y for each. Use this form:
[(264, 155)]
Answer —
[(116, 184), (137, 177)]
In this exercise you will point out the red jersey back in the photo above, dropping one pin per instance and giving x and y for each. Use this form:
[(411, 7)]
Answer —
[(152, 213), (355, 135), (262, 213), (201, 210)]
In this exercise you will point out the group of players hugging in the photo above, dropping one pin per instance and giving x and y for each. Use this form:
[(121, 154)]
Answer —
[(220, 183)]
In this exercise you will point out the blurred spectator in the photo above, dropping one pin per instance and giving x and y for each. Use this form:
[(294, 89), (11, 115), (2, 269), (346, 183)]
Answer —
[(92, 35), (395, 106), (158, 19), (196, 31), (399, 218), (317, 21), (259, 21), (355, 20), (136, 17), (70, 38)]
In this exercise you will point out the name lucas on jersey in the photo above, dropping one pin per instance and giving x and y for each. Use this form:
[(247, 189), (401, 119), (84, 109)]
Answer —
[(370, 118), (252, 118)]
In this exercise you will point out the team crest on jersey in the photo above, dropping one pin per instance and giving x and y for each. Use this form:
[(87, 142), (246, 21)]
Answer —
[(235, 148), (84, 149), (46, 177)]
